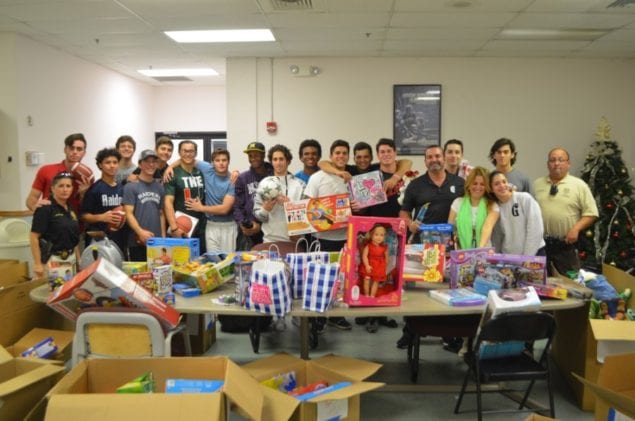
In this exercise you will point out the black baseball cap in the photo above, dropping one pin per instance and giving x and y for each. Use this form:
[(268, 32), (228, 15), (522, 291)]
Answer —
[(255, 147)]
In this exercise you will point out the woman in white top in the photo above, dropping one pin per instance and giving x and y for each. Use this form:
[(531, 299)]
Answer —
[(475, 214), (271, 211), (520, 228)]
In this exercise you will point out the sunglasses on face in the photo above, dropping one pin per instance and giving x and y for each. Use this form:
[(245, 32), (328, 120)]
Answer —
[(553, 190)]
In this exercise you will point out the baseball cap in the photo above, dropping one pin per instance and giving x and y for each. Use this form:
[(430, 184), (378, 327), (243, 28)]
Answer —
[(255, 146), (147, 153)]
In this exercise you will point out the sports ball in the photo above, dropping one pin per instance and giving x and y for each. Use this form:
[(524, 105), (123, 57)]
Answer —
[(269, 188), (122, 219), (184, 223), (80, 170)]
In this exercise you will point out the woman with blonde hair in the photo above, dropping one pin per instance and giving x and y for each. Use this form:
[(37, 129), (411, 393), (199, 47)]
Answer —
[(475, 214)]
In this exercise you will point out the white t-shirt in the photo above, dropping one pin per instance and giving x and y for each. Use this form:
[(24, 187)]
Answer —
[(324, 184)]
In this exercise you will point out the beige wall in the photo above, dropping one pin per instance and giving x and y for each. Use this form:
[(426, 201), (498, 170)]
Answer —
[(539, 103)]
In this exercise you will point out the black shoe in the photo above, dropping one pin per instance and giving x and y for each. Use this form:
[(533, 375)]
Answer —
[(372, 325), (454, 345), (404, 341), (339, 323), (361, 320), (388, 322)]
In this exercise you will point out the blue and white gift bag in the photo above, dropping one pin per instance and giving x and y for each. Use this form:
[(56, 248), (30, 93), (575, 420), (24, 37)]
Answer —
[(320, 285), (298, 263), (268, 290)]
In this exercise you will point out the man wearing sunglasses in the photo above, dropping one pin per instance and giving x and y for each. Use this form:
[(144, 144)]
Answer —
[(568, 208)]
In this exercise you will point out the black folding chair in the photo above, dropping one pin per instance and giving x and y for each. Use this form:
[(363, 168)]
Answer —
[(523, 327)]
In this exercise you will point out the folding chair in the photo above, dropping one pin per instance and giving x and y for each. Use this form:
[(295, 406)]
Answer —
[(116, 332), (511, 327)]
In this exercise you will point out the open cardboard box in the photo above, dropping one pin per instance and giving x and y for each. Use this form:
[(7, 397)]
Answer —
[(18, 313), (344, 403), (23, 382), (95, 381), (62, 338), (581, 344), (615, 386)]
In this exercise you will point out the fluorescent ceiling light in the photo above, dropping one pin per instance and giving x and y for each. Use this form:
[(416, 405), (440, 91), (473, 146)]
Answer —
[(427, 98), (226, 35), (552, 34), (178, 72)]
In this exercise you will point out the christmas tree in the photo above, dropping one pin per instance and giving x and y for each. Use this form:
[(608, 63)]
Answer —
[(612, 238)]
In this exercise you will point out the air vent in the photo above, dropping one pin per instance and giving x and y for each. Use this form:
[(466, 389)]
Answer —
[(292, 4), (172, 79)]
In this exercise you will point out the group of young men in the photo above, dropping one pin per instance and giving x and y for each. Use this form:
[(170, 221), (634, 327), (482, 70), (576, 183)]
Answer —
[(223, 201)]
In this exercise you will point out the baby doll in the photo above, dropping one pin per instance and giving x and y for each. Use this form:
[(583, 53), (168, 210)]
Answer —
[(372, 269)]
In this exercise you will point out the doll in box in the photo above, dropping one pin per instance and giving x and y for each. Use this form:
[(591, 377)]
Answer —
[(373, 267)]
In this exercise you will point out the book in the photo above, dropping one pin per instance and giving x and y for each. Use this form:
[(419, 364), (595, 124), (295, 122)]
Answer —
[(317, 214), (458, 297), (367, 189)]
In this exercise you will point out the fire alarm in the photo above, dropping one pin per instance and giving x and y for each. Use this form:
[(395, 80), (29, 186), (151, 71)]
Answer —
[(272, 127)]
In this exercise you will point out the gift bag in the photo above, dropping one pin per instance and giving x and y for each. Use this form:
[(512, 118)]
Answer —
[(298, 262), (268, 290), (320, 285)]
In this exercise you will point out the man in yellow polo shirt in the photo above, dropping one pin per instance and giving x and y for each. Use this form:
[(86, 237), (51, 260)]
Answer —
[(568, 208)]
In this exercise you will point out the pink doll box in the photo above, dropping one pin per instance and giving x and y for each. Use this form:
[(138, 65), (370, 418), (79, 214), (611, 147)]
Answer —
[(388, 294)]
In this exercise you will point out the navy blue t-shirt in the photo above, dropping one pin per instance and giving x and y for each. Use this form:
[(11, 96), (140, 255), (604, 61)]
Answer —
[(101, 198)]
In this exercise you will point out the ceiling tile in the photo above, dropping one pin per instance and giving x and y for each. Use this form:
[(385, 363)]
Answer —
[(451, 20), (570, 21)]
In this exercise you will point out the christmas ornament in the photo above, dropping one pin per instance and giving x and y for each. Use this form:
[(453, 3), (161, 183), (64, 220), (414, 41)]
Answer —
[(609, 205), (620, 192), (616, 234), (616, 222), (583, 255), (623, 170), (612, 263), (588, 233), (623, 254)]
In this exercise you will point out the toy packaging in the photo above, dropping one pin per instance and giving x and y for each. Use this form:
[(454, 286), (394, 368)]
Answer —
[(46, 348), (424, 262), (526, 268), (183, 221), (102, 284), (463, 265), (193, 386), (207, 272), (131, 268), (172, 251), (379, 283), (547, 291), (437, 234), (319, 214), (458, 297), (142, 384), (367, 189), (162, 280)]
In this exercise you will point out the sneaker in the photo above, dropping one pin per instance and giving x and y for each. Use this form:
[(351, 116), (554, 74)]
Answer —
[(280, 325), (340, 323), (361, 320), (320, 324), (405, 340), (372, 325), (388, 322), (454, 345)]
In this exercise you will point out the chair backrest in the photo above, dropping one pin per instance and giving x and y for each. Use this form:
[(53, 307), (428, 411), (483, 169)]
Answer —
[(117, 334), (518, 326)]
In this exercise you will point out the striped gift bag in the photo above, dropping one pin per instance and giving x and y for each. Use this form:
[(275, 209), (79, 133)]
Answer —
[(298, 264), (320, 285), (268, 290)]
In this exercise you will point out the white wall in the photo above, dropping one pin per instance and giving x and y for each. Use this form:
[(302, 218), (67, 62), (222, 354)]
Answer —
[(190, 108), (538, 103)]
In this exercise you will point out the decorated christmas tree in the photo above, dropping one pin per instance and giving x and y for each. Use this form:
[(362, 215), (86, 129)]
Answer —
[(612, 238)]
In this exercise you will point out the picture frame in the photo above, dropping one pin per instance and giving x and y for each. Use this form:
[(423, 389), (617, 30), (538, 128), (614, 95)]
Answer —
[(416, 117)]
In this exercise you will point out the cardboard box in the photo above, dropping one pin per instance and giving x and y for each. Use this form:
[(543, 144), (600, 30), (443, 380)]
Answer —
[(463, 265), (575, 346), (18, 313), (103, 284), (62, 338), (615, 387), (316, 215), (94, 382), (332, 369), (23, 382), (202, 331), (174, 251), (390, 293)]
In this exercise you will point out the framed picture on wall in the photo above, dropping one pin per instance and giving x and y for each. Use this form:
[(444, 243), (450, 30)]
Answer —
[(416, 118)]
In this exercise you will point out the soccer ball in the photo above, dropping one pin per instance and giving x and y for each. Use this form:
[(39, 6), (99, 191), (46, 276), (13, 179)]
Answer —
[(269, 188)]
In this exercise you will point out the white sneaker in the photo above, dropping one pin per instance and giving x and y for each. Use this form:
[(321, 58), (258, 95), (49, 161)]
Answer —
[(280, 324)]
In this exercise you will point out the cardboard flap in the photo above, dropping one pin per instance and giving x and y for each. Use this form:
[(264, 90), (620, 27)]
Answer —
[(5, 355), (613, 330), (278, 406), (347, 392), (612, 372), (623, 403), (350, 367), (244, 391), (265, 366), (42, 371), (62, 339), (141, 407)]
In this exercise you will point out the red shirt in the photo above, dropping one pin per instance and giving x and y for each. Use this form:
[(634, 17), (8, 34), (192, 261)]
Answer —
[(44, 178)]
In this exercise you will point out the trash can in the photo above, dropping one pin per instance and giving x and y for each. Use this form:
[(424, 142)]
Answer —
[(14, 240)]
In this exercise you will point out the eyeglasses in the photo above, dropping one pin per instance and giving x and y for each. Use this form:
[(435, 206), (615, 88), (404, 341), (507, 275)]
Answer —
[(553, 190)]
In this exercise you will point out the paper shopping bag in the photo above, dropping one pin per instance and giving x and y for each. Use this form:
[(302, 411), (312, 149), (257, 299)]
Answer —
[(298, 263), (268, 290), (320, 286)]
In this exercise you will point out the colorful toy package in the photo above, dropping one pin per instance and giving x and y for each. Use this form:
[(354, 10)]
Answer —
[(367, 189), (424, 263), (526, 268), (172, 251), (463, 265), (318, 214), (437, 234), (207, 272), (388, 286)]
